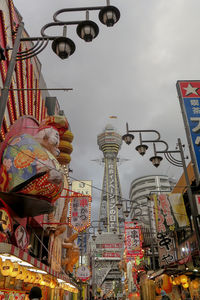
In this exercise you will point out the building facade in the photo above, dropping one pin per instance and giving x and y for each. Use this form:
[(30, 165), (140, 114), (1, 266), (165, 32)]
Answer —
[(141, 188)]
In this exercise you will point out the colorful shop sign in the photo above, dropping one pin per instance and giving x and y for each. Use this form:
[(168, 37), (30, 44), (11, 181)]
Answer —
[(6, 225), (80, 212), (83, 273), (133, 240), (165, 224), (83, 187), (189, 97), (21, 237)]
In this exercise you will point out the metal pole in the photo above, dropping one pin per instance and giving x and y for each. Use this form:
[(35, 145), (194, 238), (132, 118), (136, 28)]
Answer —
[(11, 66), (190, 196), (152, 240)]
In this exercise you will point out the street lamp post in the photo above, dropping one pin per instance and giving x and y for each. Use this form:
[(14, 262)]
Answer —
[(61, 45), (156, 159)]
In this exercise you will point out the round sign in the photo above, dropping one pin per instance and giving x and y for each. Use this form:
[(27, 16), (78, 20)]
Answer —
[(83, 273), (21, 237)]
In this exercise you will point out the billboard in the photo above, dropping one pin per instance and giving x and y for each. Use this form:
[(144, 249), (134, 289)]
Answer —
[(189, 97), (83, 187)]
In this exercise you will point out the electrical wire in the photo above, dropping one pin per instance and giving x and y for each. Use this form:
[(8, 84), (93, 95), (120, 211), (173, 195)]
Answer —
[(73, 178)]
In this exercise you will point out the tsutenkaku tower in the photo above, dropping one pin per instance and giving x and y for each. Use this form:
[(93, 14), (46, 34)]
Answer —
[(110, 143)]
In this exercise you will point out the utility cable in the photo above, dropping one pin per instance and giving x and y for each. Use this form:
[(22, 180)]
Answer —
[(73, 178)]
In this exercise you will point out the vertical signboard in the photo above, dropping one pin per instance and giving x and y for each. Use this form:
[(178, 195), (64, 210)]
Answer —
[(133, 240), (189, 97), (165, 224), (111, 197), (80, 212)]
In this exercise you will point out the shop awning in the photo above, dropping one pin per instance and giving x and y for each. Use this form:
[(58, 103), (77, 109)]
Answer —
[(9, 249), (25, 205)]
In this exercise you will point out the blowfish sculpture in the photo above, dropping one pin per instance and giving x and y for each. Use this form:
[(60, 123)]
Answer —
[(28, 161)]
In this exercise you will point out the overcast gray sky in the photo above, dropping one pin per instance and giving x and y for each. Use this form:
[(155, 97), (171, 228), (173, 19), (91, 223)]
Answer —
[(129, 70)]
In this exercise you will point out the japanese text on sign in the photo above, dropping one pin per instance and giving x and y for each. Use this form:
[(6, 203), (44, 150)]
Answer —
[(164, 222), (80, 210)]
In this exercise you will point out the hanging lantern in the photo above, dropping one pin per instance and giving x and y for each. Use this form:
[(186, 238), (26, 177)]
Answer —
[(21, 274), (41, 282), (33, 277), (173, 282), (15, 270), (167, 285), (52, 284), (28, 276), (186, 285), (7, 267), (38, 278), (183, 279), (177, 280), (195, 284), (158, 290)]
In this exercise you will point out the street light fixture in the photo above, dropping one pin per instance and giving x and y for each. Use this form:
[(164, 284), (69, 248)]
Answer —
[(61, 45), (156, 159)]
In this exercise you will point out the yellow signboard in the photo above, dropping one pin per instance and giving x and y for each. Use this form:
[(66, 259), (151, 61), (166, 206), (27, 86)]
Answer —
[(83, 187)]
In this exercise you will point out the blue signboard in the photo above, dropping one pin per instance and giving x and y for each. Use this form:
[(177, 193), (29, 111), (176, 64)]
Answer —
[(189, 97)]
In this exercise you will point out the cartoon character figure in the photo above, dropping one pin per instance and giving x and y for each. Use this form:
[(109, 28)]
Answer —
[(29, 164)]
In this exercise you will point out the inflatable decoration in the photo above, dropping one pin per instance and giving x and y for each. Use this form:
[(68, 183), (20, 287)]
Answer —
[(28, 160)]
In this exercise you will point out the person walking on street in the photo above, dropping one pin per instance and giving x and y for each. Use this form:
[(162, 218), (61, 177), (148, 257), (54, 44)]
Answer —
[(35, 293), (164, 295)]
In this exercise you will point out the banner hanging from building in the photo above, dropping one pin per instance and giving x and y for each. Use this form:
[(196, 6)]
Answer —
[(80, 205), (80, 212), (197, 197), (189, 97), (178, 208), (133, 240), (165, 225)]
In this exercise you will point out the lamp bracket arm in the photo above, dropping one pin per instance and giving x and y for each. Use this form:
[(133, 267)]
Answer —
[(172, 160), (52, 24), (32, 53), (157, 138), (161, 151), (74, 9)]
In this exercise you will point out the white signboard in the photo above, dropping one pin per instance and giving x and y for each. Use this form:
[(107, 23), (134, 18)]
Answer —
[(83, 187), (83, 273)]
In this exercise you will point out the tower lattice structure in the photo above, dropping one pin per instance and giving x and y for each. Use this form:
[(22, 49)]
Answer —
[(110, 143)]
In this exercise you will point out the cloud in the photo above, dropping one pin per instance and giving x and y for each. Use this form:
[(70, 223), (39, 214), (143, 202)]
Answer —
[(129, 71)]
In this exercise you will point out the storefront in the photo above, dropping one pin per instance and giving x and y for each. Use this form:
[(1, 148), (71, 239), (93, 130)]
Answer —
[(19, 272)]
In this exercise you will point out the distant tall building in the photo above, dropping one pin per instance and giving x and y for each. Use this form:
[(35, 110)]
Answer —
[(141, 188), (110, 143)]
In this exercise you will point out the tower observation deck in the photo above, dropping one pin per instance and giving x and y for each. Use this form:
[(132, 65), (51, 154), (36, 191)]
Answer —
[(110, 143)]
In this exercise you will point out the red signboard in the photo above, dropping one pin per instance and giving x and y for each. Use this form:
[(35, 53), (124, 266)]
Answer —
[(109, 246), (133, 240), (111, 254), (80, 212)]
